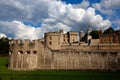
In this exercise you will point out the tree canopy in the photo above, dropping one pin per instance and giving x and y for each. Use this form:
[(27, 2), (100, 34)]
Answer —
[(110, 30), (4, 45), (94, 34)]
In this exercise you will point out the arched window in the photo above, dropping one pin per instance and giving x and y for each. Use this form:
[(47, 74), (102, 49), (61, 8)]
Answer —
[(28, 52), (34, 52), (50, 43)]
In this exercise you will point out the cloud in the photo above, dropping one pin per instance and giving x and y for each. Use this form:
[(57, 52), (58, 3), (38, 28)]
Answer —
[(111, 9), (24, 10), (53, 15), (84, 4), (110, 4), (2, 35), (117, 24), (76, 18), (18, 30), (107, 6)]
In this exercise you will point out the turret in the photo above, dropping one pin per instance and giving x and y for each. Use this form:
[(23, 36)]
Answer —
[(54, 40)]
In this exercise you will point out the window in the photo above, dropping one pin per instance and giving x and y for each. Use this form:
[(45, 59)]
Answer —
[(28, 52), (42, 42), (50, 38), (50, 43), (34, 52)]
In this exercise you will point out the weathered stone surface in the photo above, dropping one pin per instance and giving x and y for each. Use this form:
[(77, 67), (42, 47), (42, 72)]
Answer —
[(63, 51)]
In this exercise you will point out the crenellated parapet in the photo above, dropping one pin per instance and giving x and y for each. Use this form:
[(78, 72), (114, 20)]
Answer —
[(25, 46), (52, 33), (26, 41)]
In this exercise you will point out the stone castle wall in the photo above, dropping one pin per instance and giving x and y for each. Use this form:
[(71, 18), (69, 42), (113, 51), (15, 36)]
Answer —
[(25, 54), (70, 59), (33, 55), (63, 51)]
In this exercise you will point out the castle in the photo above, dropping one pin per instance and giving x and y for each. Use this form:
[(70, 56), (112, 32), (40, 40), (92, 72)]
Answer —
[(71, 50)]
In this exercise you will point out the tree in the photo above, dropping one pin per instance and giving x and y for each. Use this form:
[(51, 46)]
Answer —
[(110, 30), (4, 45), (94, 34)]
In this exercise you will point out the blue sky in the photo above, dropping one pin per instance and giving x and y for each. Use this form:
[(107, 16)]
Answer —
[(79, 1), (73, 1), (29, 19)]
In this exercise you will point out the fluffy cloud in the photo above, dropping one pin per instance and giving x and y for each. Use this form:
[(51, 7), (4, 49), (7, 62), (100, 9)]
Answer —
[(84, 4), (76, 18), (18, 30), (107, 6), (110, 8), (2, 35), (54, 15), (110, 4)]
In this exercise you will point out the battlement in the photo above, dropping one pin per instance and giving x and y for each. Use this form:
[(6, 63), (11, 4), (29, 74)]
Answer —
[(52, 33), (71, 32), (26, 41)]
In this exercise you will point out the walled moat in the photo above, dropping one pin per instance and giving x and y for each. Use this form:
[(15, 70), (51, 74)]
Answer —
[(70, 50)]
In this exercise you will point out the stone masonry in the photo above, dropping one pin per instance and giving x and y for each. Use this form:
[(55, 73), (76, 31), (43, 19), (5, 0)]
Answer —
[(60, 50)]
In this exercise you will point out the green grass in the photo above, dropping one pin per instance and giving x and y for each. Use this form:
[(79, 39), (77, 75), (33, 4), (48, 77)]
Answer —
[(6, 74)]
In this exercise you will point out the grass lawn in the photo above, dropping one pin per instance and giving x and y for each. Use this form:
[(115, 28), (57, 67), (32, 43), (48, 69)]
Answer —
[(6, 74)]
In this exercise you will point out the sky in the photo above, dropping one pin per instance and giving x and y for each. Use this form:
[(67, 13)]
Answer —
[(30, 19)]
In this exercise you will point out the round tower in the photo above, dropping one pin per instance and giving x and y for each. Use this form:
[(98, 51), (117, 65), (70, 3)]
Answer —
[(53, 40)]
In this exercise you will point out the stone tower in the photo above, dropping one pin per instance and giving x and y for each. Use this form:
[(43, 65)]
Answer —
[(73, 37), (54, 40)]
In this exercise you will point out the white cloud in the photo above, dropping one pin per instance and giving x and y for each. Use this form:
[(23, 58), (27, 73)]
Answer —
[(76, 17), (84, 4), (18, 30), (110, 8), (107, 6), (110, 4), (117, 24), (54, 15), (2, 35)]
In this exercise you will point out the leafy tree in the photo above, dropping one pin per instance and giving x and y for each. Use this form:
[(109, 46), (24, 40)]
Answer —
[(110, 30), (4, 45), (94, 34)]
